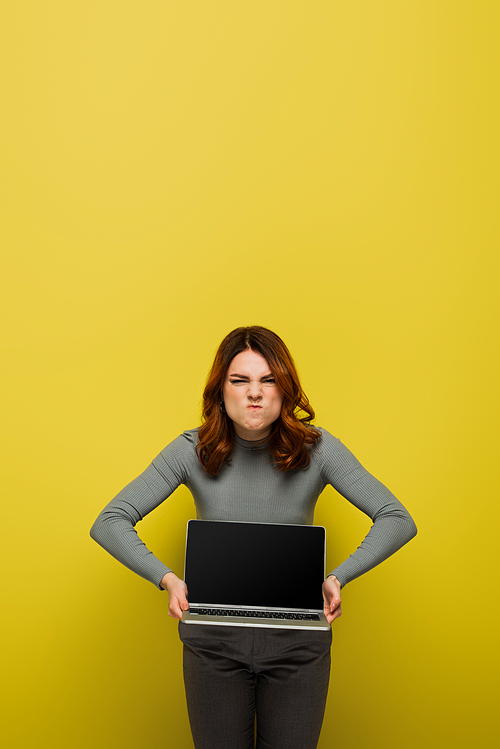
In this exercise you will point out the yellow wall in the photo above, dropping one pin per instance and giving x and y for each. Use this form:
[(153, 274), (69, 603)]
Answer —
[(169, 172)]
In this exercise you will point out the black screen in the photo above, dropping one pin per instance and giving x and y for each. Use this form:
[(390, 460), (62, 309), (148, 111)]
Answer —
[(255, 564)]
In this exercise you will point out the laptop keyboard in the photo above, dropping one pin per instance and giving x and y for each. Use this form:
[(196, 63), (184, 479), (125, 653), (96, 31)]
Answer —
[(258, 614)]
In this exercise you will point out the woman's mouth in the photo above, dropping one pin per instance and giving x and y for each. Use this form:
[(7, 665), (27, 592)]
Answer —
[(254, 408)]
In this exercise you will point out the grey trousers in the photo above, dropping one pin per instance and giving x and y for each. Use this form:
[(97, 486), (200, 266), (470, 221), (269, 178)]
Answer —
[(234, 674)]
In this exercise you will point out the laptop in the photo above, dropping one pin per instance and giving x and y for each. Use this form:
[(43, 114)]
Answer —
[(255, 574)]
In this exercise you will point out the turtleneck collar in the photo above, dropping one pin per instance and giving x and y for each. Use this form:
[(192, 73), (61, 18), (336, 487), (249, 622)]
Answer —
[(251, 445)]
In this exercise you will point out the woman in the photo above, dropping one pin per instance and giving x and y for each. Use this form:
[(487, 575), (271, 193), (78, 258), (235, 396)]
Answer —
[(256, 457)]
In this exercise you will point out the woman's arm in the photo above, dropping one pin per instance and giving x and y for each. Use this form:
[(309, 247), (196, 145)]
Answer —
[(114, 528), (392, 526)]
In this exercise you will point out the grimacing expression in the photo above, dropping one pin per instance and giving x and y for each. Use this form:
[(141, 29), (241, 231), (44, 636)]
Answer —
[(251, 397)]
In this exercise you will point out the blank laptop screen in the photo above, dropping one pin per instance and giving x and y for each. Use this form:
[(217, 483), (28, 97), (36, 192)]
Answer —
[(255, 564)]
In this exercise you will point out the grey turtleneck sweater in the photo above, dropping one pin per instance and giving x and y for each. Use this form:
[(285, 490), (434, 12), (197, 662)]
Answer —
[(250, 488)]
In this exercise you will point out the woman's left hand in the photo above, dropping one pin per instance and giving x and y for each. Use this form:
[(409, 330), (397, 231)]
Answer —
[(331, 596)]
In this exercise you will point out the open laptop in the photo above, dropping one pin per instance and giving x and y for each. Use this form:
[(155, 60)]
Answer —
[(255, 574)]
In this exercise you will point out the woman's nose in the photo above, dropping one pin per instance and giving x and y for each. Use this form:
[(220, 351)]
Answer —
[(255, 390)]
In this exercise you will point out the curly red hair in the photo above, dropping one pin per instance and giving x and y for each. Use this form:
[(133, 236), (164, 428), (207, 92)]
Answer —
[(292, 433)]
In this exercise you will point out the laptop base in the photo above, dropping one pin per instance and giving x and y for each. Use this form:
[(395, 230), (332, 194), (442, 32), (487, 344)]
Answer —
[(250, 621)]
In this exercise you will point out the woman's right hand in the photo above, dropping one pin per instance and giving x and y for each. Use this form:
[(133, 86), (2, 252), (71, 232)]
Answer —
[(177, 594)]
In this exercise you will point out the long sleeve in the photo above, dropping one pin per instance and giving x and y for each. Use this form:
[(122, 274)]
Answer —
[(251, 489), (114, 528), (392, 526)]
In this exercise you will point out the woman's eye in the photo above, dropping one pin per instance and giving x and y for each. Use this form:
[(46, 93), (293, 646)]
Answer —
[(269, 381)]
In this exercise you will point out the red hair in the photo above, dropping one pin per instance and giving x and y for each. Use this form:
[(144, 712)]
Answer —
[(291, 433)]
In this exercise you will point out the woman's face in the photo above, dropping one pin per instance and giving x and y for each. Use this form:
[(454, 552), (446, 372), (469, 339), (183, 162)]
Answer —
[(251, 397)]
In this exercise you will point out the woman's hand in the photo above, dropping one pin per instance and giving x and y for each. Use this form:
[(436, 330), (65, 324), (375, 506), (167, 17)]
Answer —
[(177, 594), (331, 596)]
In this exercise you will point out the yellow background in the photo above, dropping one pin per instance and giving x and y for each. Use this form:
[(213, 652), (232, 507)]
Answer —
[(171, 171)]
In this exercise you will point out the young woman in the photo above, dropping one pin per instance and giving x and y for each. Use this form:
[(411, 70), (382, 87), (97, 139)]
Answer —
[(256, 457)]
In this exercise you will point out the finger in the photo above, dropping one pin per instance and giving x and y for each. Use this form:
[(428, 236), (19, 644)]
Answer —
[(182, 599), (334, 603), (182, 603), (335, 615), (177, 606), (331, 602), (174, 610)]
